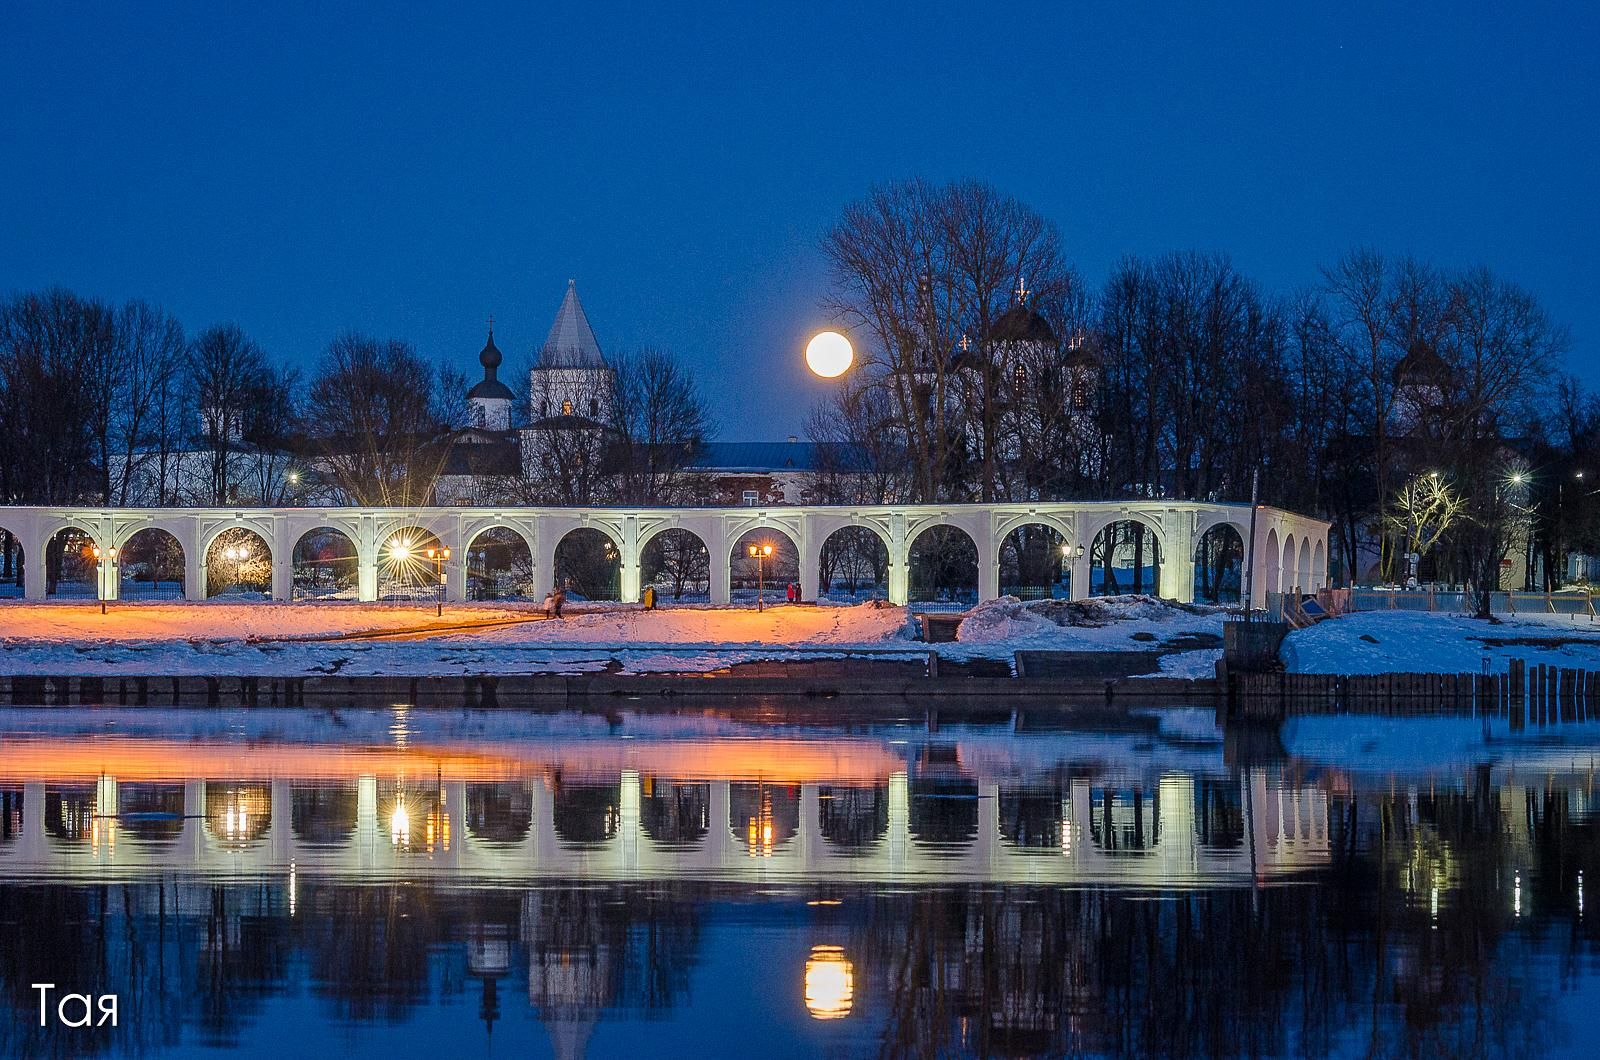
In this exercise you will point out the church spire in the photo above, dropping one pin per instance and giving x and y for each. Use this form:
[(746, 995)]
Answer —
[(571, 342)]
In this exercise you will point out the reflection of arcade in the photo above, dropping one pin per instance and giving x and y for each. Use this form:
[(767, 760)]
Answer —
[(931, 819)]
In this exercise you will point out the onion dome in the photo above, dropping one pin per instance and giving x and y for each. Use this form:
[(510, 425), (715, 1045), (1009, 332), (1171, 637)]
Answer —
[(490, 387)]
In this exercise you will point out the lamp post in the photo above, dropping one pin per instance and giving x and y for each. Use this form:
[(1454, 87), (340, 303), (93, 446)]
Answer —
[(760, 554), (440, 556), (104, 564), (1067, 553)]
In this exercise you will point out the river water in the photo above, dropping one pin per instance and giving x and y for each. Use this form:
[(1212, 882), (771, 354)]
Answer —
[(694, 882)]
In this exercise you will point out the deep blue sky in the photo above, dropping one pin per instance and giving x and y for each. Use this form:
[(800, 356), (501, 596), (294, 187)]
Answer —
[(408, 171)]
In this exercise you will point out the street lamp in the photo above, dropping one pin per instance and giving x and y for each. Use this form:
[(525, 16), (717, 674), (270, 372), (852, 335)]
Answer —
[(439, 557), (103, 561), (760, 553)]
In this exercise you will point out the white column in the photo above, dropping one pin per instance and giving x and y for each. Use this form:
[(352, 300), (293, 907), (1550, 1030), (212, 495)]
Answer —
[(282, 560), (899, 561), (194, 563), (544, 542), (1177, 567), (721, 565), (988, 563), (366, 578), (810, 561), (455, 576), (629, 590), (33, 585), (1080, 573)]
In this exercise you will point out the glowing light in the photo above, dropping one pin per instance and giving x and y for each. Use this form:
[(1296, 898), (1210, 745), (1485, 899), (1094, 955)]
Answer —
[(1516, 896), (829, 354), (400, 825), (830, 983), (399, 550)]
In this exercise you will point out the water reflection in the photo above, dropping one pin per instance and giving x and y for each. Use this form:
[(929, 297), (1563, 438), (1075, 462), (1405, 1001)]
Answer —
[(955, 893)]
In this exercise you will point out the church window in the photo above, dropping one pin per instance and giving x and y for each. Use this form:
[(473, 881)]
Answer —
[(594, 407), (1019, 377), (544, 408), (566, 408), (751, 498), (1080, 395)]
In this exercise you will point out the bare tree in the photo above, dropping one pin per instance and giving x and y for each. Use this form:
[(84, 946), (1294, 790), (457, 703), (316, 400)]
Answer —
[(146, 428), (924, 271), (227, 373), (373, 406), (658, 417)]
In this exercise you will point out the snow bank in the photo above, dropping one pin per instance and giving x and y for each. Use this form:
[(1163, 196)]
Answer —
[(1106, 623), (1371, 642)]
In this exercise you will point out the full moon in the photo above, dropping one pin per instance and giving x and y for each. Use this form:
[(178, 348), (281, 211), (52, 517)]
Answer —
[(829, 354)]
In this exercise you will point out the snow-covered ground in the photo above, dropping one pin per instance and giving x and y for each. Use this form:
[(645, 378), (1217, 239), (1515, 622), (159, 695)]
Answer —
[(1371, 642), (274, 639)]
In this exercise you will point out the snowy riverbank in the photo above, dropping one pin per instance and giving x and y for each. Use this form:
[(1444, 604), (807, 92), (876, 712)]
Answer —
[(229, 639), (1372, 642)]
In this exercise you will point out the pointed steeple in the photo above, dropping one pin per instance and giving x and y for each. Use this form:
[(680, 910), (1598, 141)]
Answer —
[(571, 342)]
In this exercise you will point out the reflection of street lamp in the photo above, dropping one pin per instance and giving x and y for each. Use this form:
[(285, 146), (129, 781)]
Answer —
[(104, 564), (760, 554), (439, 556)]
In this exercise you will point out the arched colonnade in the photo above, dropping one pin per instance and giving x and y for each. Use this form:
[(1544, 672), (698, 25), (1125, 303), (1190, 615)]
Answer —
[(1291, 550)]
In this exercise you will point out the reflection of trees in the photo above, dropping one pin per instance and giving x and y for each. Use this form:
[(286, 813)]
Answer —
[(944, 812), (853, 817), (369, 947), (1122, 820), (675, 814), (10, 815), (1031, 817), (323, 814), (499, 813), (586, 813)]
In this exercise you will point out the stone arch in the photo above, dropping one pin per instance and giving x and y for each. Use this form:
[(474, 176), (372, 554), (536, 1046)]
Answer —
[(1034, 562), (1030, 817), (1319, 565), (327, 565), (1274, 558), (324, 814), (1287, 565), (409, 564), (853, 817), (772, 573), (238, 563), (588, 564), (500, 565), (763, 816), (942, 562), (150, 566), (238, 816), (71, 569), (499, 814), (675, 814), (1126, 557), (944, 813), (1219, 565), (676, 561), (13, 566), (587, 813), (1303, 580), (853, 564), (150, 813)]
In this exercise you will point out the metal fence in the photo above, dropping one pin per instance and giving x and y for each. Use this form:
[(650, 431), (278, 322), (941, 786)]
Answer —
[(1575, 603)]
